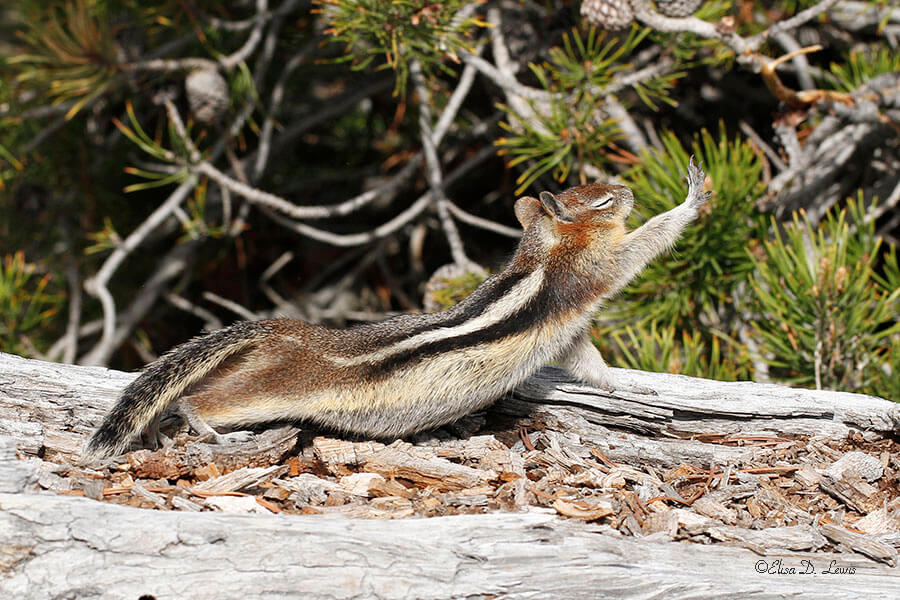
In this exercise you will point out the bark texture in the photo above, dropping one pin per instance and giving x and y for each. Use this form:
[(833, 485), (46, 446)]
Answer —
[(61, 546)]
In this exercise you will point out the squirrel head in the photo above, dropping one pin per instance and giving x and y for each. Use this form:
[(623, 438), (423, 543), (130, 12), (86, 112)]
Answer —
[(574, 230), (582, 206)]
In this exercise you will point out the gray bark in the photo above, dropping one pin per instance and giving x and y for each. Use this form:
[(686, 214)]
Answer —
[(56, 546)]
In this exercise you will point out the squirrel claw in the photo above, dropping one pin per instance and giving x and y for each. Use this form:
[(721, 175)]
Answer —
[(696, 178)]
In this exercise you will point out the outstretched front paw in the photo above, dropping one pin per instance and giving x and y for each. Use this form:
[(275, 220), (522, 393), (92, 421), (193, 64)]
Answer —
[(696, 196)]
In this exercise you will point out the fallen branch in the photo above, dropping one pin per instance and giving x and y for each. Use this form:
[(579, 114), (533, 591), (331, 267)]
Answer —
[(621, 461)]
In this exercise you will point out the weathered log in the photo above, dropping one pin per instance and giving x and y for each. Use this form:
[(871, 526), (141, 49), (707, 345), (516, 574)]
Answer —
[(64, 547), (55, 545), (53, 406)]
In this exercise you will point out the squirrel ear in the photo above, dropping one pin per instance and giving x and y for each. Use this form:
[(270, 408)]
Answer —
[(555, 208), (526, 209)]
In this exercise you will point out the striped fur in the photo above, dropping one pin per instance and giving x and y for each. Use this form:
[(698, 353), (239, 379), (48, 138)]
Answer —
[(165, 381), (493, 310), (413, 372)]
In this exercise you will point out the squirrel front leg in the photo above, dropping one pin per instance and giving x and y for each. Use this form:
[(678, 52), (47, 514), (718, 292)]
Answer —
[(660, 232), (637, 249), (584, 361)]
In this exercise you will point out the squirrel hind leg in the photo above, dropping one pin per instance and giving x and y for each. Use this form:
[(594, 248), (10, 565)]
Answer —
[(153, 438), (207, 434)]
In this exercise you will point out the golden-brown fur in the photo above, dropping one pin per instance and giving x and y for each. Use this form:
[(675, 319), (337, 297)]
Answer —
[(413, 372)]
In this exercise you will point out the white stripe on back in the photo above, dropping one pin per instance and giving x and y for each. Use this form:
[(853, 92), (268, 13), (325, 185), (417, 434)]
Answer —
[(501, 309)]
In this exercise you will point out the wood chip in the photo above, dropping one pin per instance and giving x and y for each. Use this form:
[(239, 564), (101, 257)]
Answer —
[(143, 493), (182, 503), (880, 521), (306, 488), (276, 493), (597, 479), (391, 487), (334, 452), (807, 476), (53, 482), (714, 509), (241, 479), (863, 465), (678, 522), (93, 488), (861, 543), (271, 507), (361, 484), (474, 448), (264, 449), (397, 461), (396, 505), (235, 504), (582, 511), (206, 472), (166, 463), (510, 465), (852, 491)]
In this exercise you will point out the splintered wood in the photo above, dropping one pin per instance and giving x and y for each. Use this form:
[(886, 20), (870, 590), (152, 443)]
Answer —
[(764, 467), (794, 494)]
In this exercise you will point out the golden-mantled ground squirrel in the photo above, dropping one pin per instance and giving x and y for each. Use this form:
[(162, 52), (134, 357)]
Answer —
[(414, 372)]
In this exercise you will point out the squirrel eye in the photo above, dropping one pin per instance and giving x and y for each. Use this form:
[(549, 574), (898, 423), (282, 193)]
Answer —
[(602, 202)]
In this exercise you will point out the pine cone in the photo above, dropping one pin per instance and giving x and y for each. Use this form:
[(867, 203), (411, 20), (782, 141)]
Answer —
[(678, 8), (608, 14), (207, 94)]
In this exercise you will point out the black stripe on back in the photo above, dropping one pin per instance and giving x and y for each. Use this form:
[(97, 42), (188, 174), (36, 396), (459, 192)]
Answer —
[(474, 305), (528, 317)]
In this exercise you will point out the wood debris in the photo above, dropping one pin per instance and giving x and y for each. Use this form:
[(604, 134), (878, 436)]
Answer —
[(782, 493)]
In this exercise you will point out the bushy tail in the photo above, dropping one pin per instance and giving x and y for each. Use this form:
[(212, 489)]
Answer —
[(164, 381)]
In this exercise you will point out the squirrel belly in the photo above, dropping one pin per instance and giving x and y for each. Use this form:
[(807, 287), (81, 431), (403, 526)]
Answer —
[(414, 372)]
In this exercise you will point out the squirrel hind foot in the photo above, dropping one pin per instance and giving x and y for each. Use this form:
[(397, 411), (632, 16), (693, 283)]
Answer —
[(230, 438), (207, 434)]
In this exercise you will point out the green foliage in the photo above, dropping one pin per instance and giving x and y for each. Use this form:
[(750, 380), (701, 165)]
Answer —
[(792, 7), (889, 275), (711, 260), (884, 372), (26, 303), (9, 165), (656, 349), (453, 290), (859, 66), (689, 49), (70, 54), (242, 88), (104, 239), (64, 180), (198, 223), (399, 31), (568, 131), (154, 148), (823, 317), (668, 309)]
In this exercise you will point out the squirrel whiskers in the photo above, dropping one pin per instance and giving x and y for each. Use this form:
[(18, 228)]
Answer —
[(414, 372)]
